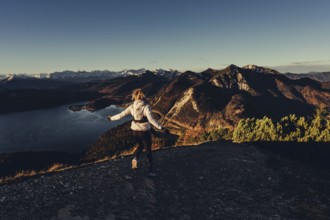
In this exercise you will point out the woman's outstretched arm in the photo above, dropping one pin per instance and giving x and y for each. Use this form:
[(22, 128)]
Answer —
[(151, 119), (122, 114)]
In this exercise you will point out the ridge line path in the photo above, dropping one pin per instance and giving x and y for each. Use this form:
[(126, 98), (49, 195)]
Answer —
[(210, 181)]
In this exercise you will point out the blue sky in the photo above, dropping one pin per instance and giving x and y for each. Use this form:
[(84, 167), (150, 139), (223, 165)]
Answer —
[(45, 36)]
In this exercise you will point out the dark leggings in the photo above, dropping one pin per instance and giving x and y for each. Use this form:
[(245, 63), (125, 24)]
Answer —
[(143, 139)]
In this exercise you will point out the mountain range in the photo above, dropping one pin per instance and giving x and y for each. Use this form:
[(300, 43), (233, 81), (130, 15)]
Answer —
[(233, 92), (92, 75), (188, 99), (318, 76), (194, 103), (106, 74), (189, 104), (210, 181)]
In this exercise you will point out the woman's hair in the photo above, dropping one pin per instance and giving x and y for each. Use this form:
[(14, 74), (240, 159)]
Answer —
[(138, 94)]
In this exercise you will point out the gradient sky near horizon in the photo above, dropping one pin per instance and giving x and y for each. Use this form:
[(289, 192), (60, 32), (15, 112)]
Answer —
[(38, 36)]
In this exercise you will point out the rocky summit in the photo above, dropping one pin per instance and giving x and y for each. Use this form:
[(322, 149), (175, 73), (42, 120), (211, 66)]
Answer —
[(217, 98), (223, 97), (191, 104), (210, 181)]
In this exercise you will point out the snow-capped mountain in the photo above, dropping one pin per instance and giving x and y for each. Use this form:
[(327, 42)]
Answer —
[(96, 74), (5, 79), (167, 73), (260, 69), (132, 72), (12, 76)]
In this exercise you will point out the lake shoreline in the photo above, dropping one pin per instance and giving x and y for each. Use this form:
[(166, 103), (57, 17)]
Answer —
[(55, 129), (37, 99)]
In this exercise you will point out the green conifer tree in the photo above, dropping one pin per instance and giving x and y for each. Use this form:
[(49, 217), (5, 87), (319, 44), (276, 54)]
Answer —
[(244, 131), (265, 130)]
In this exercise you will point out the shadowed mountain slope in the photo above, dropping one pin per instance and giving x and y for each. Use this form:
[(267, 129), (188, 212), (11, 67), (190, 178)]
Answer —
[(118, 91)]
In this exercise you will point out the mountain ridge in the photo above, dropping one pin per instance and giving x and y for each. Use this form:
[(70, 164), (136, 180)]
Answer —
[(94, 74), (106, 74), (192, 103), (319, 76)]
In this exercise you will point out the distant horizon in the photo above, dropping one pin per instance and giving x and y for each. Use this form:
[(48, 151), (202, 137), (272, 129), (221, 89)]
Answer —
[(278, 68)]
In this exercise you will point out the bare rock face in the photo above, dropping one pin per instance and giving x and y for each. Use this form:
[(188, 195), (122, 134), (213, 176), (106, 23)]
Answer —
[(190, 100), (235, 93), (260, 69), (235, 109), (194, 103)]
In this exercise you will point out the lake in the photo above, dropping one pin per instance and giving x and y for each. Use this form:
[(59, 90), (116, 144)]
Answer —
[(54, 129)]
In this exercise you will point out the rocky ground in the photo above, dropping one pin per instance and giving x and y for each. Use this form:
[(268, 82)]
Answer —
[(210, 181)]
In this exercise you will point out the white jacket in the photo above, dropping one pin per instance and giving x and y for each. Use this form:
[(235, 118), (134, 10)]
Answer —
[(139, 109)]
